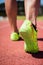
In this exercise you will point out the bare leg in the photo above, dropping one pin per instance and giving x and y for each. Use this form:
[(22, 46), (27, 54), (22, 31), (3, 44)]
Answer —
[(35, 12), (29, 4), (11, 11), (27, 9), (31, 9)]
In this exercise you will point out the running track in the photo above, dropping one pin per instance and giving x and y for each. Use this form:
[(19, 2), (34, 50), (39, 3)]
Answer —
[(12, 52)]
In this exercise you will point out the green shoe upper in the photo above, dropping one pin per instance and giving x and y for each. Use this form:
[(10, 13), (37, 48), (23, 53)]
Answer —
[(14, 36), (25, 26), (29, 34)]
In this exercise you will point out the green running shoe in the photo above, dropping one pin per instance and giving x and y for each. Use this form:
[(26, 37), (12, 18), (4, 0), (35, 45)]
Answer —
[(14, 36), (28, 33)]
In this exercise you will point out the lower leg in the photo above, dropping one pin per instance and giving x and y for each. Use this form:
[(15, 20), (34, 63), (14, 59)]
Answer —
[(35, 13), (29, 6), (31, 10), (27, 9), (11, 11)]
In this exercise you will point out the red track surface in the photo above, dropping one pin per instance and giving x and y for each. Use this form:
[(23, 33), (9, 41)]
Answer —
[(12, 52)]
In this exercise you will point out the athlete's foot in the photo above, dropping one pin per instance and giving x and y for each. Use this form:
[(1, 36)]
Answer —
[(14, 36), (28, 33)]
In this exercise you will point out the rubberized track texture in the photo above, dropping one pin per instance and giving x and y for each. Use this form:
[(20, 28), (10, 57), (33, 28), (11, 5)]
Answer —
[(12, 52)]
